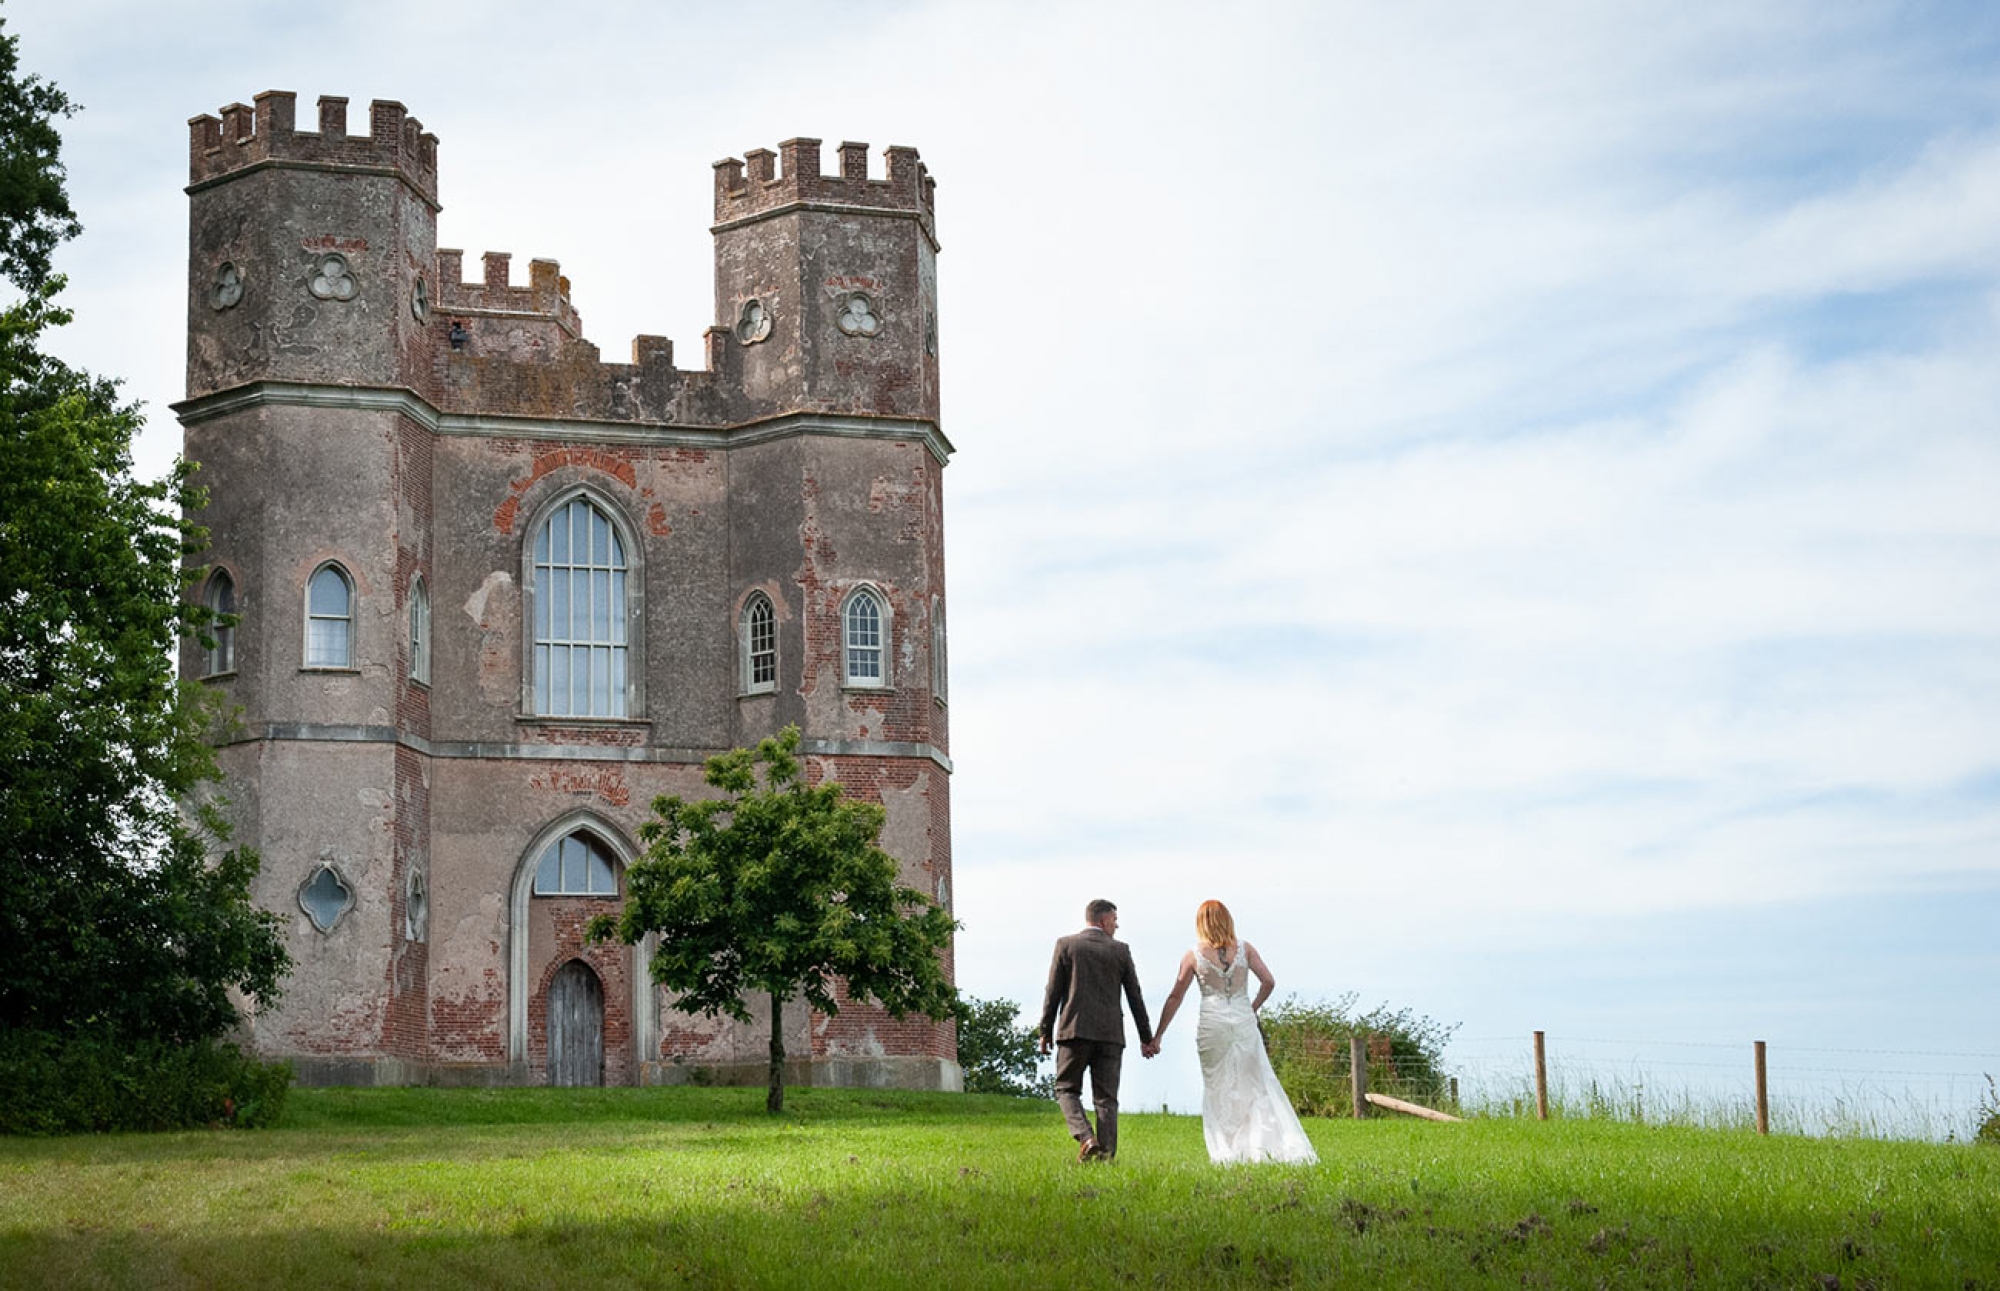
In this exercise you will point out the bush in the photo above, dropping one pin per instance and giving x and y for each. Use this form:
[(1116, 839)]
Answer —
[(1989, 1111), (1308, 1044), (999, 1055), (93, 1082)]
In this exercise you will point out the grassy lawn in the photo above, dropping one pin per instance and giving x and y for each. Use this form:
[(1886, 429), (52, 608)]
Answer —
[(697, 1187)]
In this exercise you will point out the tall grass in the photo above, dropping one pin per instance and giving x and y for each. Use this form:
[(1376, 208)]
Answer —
[(1852, 1110), (699, 1188)]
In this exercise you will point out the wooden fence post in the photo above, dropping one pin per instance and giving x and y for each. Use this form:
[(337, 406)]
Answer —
[(1541, 1080), (1454, 1093), (1763, 1094), (1357, 1048)]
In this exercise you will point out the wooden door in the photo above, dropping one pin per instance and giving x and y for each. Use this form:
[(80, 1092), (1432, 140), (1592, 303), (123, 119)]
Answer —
[(576, 1026)]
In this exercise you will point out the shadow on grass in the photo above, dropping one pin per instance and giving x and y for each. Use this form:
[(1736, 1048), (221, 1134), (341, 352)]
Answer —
[(1066, 1228)]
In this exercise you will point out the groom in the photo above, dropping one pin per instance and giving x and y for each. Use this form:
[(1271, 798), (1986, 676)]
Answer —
[(1090, 968)]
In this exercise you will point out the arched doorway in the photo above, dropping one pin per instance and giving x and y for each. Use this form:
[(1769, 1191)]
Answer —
[(572, 870), (576, 1026)]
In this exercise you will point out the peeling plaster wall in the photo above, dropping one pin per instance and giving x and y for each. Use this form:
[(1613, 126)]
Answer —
[(421, 426), (337, 810)]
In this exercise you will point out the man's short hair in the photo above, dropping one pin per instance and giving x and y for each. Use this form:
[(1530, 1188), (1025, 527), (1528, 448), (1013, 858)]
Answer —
[(1097, 909)]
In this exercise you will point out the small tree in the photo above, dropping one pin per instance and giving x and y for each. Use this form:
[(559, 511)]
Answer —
[(998, 1053), (780, 888)]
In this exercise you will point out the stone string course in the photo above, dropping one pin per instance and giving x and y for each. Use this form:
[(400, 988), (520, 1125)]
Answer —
[(414, 424)]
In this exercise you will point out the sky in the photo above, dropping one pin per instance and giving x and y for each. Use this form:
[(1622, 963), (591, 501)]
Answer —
[(1502, 496)]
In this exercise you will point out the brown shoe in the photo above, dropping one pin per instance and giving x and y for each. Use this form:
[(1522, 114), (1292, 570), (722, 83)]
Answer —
[(1089, 1151)]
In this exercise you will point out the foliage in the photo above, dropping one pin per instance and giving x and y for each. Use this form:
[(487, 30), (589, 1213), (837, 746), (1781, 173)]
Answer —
[(34, 209), (780, 888), (1309, 1048), (1989, 1116), (95, 1081), (114, 921), (685, 1187), (998, 1053)]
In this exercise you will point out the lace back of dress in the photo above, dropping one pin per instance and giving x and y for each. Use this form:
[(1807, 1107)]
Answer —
[(1219, 980)]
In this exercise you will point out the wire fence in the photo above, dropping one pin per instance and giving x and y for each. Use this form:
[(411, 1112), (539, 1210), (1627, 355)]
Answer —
[(1942, 1093)]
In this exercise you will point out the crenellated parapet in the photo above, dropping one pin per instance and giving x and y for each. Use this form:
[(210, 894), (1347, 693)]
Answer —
[(546, 296), (762, 182), (268, 134)]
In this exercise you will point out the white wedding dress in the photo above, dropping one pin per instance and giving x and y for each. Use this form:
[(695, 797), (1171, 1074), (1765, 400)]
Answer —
[(1245, 1115)]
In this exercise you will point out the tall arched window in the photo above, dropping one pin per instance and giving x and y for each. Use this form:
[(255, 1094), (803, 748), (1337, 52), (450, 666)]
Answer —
[(864, 636), (760, 646), (581, 650), (329, 619), (221, 600), (576, 865), (939, 674), (420, 631)]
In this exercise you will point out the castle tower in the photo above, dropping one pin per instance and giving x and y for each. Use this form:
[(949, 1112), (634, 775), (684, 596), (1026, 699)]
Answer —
[(308, 351), (827, 285), (496, 594), (829, 282)]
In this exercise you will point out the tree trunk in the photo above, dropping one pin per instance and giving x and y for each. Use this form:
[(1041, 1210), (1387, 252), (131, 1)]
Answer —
[(774, 1102)]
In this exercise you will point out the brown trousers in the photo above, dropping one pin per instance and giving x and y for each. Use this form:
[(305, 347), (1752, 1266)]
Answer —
[(1102, 1060)]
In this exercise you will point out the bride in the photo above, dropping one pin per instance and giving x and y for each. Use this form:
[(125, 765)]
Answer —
[(1245, 1115)]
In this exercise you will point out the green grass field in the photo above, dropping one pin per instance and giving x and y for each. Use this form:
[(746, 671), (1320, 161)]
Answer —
[(698, 1187)]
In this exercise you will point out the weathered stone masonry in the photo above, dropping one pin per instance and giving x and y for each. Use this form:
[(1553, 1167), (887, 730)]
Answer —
[(357, 406)]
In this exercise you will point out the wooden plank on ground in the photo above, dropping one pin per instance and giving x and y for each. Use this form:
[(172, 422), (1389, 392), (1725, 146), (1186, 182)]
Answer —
[(1412, 1109)]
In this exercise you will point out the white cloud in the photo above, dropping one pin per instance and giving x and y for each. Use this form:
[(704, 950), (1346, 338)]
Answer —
[(1426, 473)]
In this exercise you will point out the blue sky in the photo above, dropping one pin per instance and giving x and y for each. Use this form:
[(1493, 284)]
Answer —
[(1504, 496)]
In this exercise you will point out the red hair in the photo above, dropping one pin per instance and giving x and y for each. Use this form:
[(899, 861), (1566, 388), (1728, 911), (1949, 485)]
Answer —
[(1213, 924)]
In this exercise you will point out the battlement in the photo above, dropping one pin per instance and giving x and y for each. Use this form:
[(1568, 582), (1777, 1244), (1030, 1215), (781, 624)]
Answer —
[(244, 136), (754, 183), (546, 295)]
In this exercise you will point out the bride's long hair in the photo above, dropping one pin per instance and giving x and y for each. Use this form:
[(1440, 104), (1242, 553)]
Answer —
[(1213, 924)]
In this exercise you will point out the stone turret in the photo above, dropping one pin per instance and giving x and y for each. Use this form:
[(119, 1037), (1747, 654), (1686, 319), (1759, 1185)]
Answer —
[(827, 284)]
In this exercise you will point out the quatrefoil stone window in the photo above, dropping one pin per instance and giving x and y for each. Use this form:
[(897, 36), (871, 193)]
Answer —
[(754, 324), (228, 287), (326, 896), (332, 278), (417, 906), (420, 302), (858, 316)]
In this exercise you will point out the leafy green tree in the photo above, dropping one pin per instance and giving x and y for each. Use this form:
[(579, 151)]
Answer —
[(34, 208), (113, 921), (780, 887), (998, 1053)]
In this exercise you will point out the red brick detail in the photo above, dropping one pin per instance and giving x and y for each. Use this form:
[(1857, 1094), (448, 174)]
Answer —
[(405, 1030), (611, 962), (607, 783), (472, 1027), (615, 462), (627, 737), (863, 1028), (413, 538)]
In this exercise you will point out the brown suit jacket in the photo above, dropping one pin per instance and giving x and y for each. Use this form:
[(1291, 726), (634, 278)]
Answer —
[(1090, 968)]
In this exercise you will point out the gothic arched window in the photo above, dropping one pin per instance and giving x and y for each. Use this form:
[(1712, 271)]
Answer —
[(864, 635), (939, 674), (221, 600), (576, 865), (420, 632), (760, 646), (329, 619), (580, 614)]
